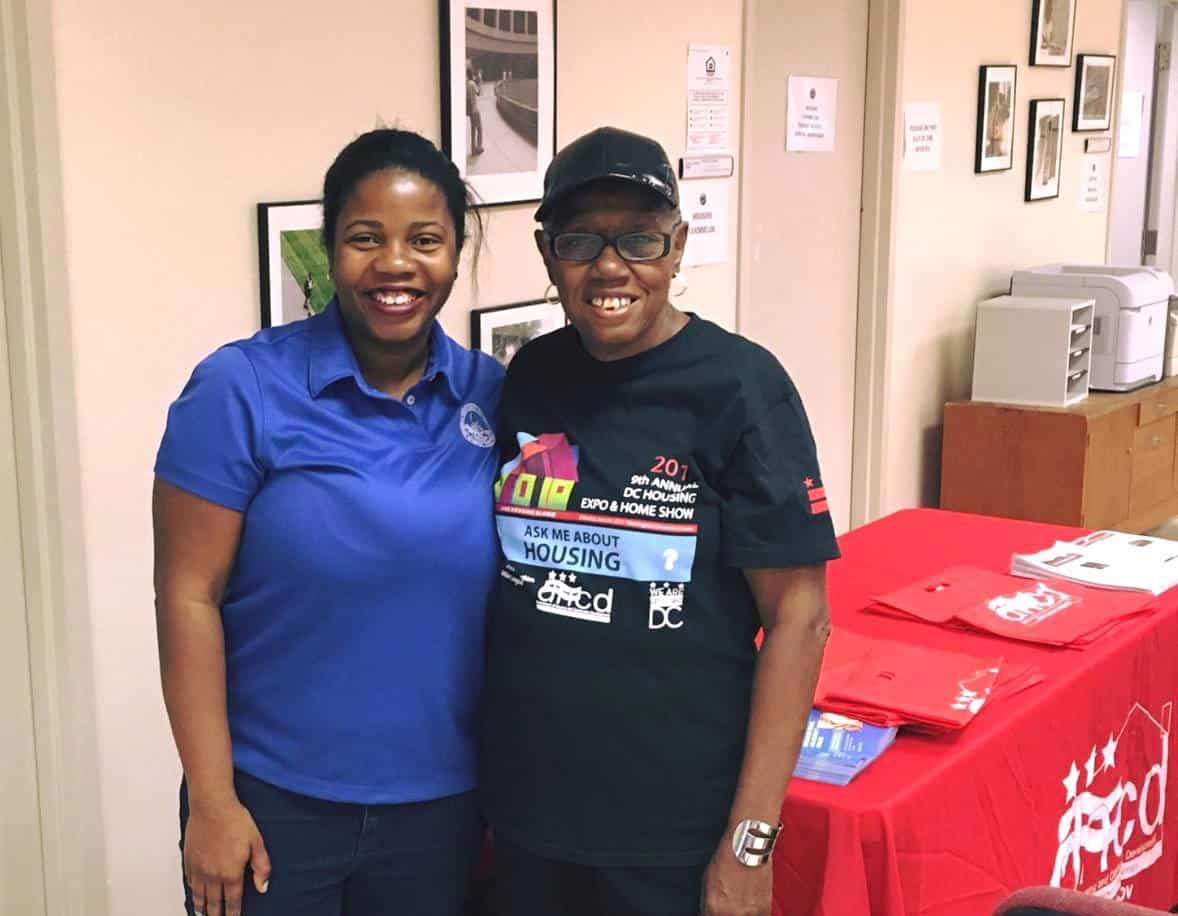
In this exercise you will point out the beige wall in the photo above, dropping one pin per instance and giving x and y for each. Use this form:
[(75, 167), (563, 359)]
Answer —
[(175, 121), (959, 235)]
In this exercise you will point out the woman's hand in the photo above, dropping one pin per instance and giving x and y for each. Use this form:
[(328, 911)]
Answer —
[(219, 841), (733, 889)]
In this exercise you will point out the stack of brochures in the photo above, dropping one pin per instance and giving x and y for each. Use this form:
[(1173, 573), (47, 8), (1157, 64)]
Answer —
[(1106, 559), (836, 749)]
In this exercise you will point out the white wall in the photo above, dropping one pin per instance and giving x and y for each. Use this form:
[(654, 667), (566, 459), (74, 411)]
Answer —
[(175, 120), (960, 235)]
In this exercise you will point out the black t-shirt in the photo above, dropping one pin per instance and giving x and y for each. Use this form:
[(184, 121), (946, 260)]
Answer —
[(621, 646)]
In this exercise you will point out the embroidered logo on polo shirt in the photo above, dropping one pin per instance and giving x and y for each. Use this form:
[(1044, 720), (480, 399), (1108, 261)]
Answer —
[(476, 429)]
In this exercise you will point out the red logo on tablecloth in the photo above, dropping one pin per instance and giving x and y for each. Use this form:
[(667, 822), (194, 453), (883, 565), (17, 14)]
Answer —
[(1116, 804)]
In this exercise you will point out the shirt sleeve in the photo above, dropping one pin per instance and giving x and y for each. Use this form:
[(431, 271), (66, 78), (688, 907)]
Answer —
[(774, 511), (212, 440)]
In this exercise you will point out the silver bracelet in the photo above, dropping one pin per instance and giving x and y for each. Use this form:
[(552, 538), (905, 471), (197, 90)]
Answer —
[(753, 840)]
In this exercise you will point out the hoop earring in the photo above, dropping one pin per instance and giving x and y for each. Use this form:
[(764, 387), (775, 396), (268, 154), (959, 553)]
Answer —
[(552, 294), (681, 288)]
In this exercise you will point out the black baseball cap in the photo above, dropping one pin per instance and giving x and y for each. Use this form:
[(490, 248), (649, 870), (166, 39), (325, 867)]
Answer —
[(608, 152)]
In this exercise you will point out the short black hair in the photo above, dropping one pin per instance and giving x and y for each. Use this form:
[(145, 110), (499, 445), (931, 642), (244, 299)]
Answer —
[(403, 150)]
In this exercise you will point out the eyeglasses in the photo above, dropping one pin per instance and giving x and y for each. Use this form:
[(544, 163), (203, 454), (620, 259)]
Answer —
[(630, 246)]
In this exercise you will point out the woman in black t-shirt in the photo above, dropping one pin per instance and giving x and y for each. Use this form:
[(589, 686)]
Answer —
[(658, 505)]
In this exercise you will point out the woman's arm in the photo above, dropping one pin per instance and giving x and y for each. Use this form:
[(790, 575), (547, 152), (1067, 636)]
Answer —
[(195, 545), (796, 620)]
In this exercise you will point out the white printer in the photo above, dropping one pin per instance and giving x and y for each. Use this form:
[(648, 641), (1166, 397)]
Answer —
[(1129, 327)]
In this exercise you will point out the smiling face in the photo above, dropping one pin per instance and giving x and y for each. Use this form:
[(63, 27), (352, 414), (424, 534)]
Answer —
[(394, 261), (620, 308)]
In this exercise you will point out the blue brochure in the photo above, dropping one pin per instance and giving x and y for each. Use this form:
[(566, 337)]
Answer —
[(836, 749)]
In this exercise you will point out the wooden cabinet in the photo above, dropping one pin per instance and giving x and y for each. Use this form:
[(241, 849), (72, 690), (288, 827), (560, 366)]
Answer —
[(1107, 462)]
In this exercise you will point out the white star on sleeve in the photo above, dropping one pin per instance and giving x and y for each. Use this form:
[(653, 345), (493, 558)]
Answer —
[(1090, 767), (1072, 781)]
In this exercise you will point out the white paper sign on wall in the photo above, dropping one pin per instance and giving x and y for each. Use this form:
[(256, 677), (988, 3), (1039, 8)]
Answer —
[(708, 98), (922, 137), (705, 208), (811, 114), (1132, 120), (1094, 187)]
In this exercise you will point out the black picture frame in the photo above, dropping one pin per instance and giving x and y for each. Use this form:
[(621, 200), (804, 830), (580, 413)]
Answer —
[(500, 330), (516, 115), (1044, 148), (991, 75), (1087, 65), (1043, 30), (293, 273)]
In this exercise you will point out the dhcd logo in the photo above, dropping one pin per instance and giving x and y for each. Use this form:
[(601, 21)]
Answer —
[(561, 594), (1111, 829), (1030, 607)]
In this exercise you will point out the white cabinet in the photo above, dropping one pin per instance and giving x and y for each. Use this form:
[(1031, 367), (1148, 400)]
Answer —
[(1033, 350)]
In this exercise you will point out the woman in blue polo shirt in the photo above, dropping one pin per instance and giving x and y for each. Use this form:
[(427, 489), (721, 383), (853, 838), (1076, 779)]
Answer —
[(324, 553)]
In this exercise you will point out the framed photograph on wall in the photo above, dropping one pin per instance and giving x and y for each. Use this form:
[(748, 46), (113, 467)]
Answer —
[(292, 262), (501, 330), (1052, 25), (499, 95), (994, 147), (1044, 149), (1092, 107)]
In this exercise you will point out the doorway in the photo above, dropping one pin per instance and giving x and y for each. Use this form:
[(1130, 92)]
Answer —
[(1145, 163), (800, 217)]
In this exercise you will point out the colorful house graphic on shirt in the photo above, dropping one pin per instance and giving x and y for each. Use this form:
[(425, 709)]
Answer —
[(542, 475)]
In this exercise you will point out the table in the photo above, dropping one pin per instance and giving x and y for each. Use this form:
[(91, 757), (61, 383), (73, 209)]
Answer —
[(1064, 783)]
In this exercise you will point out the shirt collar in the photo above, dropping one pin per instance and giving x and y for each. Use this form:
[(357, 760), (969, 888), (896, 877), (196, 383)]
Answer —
[(442, 361), (331, 357)]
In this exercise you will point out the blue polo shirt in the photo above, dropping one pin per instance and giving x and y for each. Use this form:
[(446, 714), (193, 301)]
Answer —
[(354, 613)]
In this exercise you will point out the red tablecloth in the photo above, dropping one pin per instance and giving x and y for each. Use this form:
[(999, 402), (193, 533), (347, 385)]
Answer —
[(1065, 783)]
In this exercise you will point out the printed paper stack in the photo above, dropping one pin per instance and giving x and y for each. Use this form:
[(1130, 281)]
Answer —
[(1106, 559), (895, 684), (836, 749), (1047, 613)]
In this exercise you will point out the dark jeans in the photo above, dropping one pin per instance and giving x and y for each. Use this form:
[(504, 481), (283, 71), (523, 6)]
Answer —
[(476, 132), (337, 859), (531, 885)]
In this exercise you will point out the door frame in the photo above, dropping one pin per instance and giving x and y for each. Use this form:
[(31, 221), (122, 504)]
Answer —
[(22, 867), (877, 257), (1162, 207), (1117, 171), (40, 351)]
